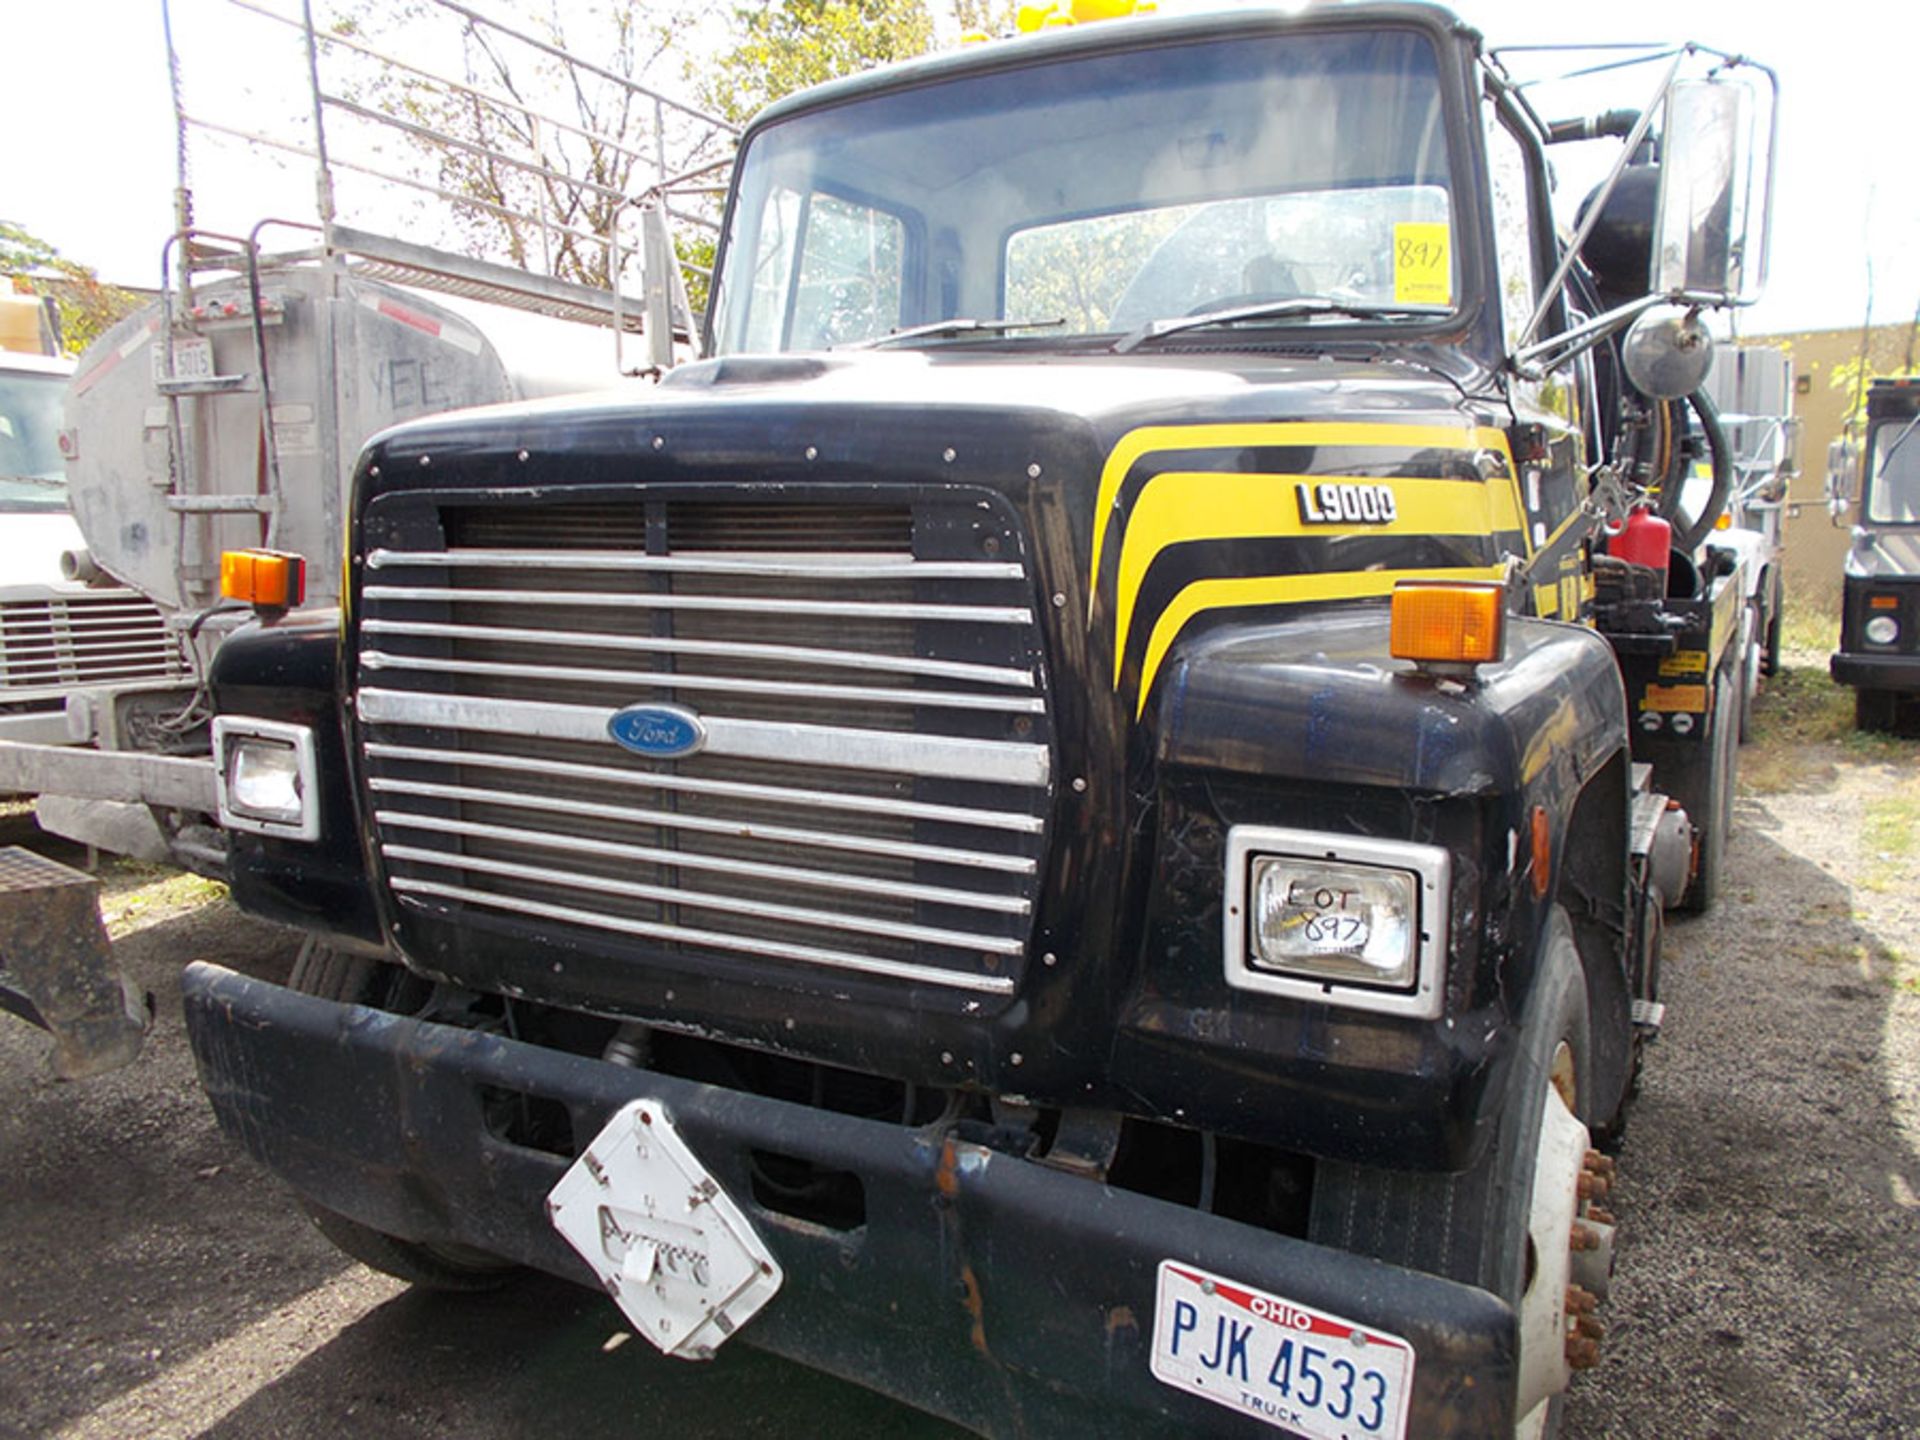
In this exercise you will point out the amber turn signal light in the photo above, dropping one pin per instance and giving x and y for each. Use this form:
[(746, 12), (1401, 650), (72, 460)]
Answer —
[(265, 579), (1448, 622)]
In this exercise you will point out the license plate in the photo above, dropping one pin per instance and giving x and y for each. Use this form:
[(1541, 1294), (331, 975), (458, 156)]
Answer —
[(1293, 1366), (666, 1241), (192, 359)]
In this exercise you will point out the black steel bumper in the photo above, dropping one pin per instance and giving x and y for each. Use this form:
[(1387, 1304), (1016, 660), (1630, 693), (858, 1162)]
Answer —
[(1013, 1298), (1876, 672)]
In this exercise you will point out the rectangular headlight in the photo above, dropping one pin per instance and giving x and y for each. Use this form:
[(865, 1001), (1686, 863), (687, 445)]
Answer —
[(266, 777), (1340, 919)]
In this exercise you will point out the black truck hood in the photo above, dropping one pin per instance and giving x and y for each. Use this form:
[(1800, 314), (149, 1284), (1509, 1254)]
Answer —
[(1107, 394)]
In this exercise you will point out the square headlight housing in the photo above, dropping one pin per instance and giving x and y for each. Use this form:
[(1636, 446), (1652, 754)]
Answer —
[(266, 777), (1338, 919)]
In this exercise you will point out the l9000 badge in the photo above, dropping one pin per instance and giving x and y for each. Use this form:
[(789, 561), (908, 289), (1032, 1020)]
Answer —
[(1343, 503), (660, 732)]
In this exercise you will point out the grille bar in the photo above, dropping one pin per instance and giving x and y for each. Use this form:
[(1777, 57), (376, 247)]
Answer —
[(733, 604), (1007, 762), (676, 820), (702, 900), (93, 627), (673, 680), (781, 566), (812, 656), (715, 939), (63, 649), (685, 784), (690, 860)]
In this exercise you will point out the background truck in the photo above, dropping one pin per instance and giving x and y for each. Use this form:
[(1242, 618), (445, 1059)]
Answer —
[(1075, 825), (1752, 387), (57, 631), (1879, 652), (229, 412)]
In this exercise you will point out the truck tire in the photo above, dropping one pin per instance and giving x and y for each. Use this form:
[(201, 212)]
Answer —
[(1752, 665), (1481, 1226), (1716, 825), (1875, 710), (1770, 661), (329, 974)]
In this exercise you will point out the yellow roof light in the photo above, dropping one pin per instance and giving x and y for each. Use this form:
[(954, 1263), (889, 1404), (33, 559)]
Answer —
[(265, 579), (1451, 622)]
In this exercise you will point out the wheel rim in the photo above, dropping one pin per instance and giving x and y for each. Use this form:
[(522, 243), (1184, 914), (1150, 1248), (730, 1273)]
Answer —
[(1570, 1250)]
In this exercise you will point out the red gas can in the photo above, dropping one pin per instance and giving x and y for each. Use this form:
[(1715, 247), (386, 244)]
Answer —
[(1646, 540)]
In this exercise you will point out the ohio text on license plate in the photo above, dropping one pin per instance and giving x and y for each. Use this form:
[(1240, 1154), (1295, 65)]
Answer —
[(1295, 1367)]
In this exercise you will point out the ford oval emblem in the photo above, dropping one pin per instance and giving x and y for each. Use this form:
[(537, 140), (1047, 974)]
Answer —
[(660, 732)]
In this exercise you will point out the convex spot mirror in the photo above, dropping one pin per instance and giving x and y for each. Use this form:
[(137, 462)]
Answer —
[(1710, 224), (1667, 354)]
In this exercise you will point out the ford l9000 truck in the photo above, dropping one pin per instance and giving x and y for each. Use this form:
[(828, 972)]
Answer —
[(1075, 825)]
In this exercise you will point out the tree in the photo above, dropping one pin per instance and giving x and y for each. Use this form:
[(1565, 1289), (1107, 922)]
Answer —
[(548, 153), (1854, 378), (87, 305), (786, 45)]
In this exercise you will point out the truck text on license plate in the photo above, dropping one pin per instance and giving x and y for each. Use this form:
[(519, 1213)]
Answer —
[(1288, 1364)]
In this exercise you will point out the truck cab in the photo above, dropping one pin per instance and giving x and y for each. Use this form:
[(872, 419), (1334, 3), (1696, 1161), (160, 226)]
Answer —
[(1082, 794), (1879, 654)]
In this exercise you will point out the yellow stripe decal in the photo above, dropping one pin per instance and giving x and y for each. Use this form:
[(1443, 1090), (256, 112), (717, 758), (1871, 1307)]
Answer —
[(1176, 507), (1149, 439), (1278, 590)]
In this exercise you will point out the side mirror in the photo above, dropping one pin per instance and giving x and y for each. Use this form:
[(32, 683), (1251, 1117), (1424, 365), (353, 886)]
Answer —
[(1843, 463), (1667, 354), (1710, 222)]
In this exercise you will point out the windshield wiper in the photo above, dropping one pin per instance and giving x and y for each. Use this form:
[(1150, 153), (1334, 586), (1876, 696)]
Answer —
[(960, 326), (1898, 441), (1272, 310), (50, 482)]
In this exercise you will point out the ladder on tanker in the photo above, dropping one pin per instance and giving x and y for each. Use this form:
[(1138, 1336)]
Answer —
[(184, 374)]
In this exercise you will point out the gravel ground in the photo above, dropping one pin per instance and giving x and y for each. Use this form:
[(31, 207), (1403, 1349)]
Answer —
[(1769, 1271), (154, 1283)]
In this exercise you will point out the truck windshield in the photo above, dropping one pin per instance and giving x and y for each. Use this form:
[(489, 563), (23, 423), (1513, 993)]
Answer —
[(1893, 474), (1092, 194), (32, 476)]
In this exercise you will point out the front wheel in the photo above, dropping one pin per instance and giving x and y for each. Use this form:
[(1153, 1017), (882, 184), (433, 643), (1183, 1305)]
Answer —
[(1510, 1223), (1876, 710), (329, 974)]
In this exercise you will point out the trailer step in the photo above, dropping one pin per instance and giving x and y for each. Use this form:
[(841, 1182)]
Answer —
[(223, 504)]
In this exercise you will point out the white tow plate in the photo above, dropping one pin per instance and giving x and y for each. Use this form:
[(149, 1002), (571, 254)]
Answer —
[(667, 1242), (1295, 1367)]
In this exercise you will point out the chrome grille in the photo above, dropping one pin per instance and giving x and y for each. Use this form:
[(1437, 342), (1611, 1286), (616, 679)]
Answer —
[(49, 644), (871, 796)]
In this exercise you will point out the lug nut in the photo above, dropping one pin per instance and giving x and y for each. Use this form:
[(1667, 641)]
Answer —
[(1599, 1216), (1583, 1237), (1581, 1301), (1588, 1326), (1598, 1164), (1582, 1353), (1593, 1186)]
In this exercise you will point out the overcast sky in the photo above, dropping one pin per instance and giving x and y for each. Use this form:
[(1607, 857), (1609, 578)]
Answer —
[(88, 158)]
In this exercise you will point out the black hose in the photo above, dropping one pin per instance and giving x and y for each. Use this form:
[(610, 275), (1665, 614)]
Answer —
[(1689, 531)]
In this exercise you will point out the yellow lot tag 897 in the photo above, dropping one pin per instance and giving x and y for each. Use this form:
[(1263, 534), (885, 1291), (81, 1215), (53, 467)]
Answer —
[(1422, 263)]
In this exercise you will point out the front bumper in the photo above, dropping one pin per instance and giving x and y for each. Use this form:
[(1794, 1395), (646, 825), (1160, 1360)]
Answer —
[(1010, 1297), (1875, 672)]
